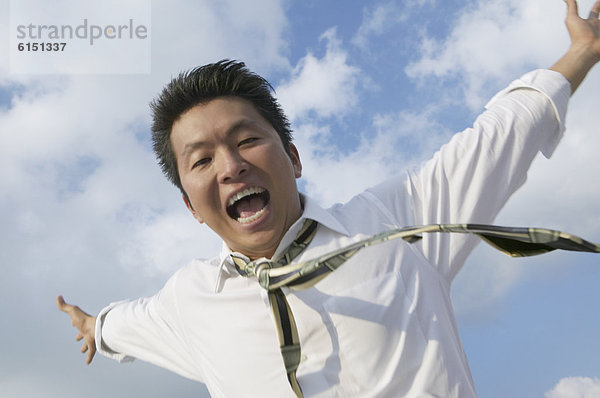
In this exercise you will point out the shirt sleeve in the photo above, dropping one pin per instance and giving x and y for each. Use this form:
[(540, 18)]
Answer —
[(146, 329), (470, 178)]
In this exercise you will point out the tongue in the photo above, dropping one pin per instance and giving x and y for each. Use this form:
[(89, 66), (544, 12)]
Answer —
[(249, 206)]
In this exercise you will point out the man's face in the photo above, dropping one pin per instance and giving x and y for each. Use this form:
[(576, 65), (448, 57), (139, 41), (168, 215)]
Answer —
[(238, 177)]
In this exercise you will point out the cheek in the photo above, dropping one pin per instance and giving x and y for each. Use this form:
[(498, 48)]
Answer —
[(199, 192)]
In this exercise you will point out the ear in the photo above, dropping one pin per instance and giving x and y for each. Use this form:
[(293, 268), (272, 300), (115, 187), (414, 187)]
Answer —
[(295, 161), (191, 209)]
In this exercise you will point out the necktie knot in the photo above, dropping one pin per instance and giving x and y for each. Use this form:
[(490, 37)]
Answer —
[(254, 268), (259, 268)]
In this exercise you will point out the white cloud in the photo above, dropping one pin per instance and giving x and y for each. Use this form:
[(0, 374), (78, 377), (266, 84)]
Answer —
[(187, 33), (324, 90), (493, 41), (575, 387), (375, 21), (254, 32), (381, 17), (324, 167), (322, 87), (160, 243), (392, 144)]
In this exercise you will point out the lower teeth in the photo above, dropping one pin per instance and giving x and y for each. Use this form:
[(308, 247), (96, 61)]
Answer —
[(245, 220)]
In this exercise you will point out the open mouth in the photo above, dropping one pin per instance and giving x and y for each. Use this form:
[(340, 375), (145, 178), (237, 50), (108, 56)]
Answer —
[(248, 205)]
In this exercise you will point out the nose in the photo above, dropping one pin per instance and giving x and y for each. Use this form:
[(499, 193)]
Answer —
[(231, 166)]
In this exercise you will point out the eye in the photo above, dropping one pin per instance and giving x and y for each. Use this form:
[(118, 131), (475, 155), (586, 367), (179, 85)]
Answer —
[(201, 162), (248, 140)]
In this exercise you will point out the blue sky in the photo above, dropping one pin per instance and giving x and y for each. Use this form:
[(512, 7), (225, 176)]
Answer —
[(372, 89)]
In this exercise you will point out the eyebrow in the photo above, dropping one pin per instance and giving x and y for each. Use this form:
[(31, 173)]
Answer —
[(192, 146)]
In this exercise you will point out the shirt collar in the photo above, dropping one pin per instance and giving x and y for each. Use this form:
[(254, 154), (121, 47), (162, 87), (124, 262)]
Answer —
[(312, 210), (324, 217)]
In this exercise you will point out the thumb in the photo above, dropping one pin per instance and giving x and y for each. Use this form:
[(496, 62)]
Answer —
[(60, 302), (62, 305)]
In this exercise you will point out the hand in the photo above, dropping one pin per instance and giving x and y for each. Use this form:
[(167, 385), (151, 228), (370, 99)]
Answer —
[(584, 51), (85, 324), (584, 32)]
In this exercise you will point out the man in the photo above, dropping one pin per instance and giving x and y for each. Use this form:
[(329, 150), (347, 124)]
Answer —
[(382, 324)]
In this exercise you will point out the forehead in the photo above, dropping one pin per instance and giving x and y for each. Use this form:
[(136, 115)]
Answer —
[(218, 117)]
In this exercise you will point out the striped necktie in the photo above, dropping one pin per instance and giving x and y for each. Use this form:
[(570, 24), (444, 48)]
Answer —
[(273, 275)]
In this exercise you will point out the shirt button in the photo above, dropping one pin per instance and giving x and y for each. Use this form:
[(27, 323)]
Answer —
[(303, 358)]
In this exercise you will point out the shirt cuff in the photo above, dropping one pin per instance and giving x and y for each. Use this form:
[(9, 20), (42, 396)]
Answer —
[(101, 346), (556, 88)]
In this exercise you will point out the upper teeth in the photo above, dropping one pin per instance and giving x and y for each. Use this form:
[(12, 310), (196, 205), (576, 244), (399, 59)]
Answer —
[(244, 193)]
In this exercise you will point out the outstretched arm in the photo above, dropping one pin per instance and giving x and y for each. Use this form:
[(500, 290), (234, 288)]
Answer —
[(85, 324), (584, 51)]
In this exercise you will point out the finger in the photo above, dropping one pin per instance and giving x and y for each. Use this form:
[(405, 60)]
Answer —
[(572, 8), (595, 10), (84, 347), (91, 354), (79, 336), (60, 303), (64, 306)]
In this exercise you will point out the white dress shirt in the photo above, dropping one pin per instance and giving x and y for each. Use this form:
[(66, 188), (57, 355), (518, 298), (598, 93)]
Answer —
[(382, 325)]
